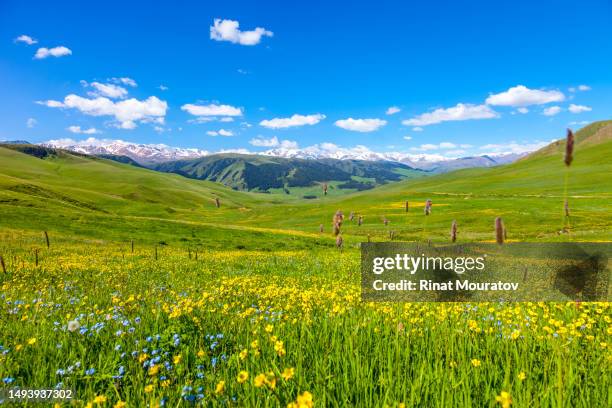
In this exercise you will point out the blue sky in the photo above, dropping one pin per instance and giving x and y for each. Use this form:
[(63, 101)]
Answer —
[(467, 77)]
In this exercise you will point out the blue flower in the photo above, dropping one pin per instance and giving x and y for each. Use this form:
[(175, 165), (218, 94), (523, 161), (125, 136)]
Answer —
[(91, 371), (8, 380), (60, 372)]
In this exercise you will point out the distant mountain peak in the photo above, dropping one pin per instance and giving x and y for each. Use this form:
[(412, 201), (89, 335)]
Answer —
[(150, 154)]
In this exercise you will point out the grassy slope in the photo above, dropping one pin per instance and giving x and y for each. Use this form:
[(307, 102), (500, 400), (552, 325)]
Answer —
[(100, 198)]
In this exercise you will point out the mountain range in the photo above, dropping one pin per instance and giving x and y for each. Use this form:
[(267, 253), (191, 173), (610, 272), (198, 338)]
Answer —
[(152, 154)]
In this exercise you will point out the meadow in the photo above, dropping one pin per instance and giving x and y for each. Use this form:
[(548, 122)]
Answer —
[(250, 305)]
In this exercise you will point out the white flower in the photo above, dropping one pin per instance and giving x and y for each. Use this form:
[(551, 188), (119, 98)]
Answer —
[(73, 325)]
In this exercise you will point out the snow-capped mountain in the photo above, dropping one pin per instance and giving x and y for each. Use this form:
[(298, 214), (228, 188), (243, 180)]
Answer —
[(159, 153), (142, 153)]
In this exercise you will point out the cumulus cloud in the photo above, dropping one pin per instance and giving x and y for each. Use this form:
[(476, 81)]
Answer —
[(417, 129), (392, 110), (220, 132), (361, 125), (126, 112), (60, 51), (551, 111), (26, 39), (211, 110), (513, 147), (124, 81), (260, 141), (579, 108), (108, 90), (31, 122), (459, 112), (580, 88), (522, 110), (163, 88), (295, 120), (520, 95), (407, 137), (229, 30), (77, 129)]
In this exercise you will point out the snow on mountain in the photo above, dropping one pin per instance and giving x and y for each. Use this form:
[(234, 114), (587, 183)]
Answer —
[(142, 153), (158, 153)]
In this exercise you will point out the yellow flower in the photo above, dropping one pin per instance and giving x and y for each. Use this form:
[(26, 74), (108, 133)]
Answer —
[(120, 404), (18, 347), (100, 399), (201, 353), (142, 357), (177, 359), (288, 373), (401, 405), (220, 387), (242, 377), (165, 383), (259, 380), (89, 405), (305, 400), (269, 328), (243, 354), (148, 388), (254, 344), (515, 335), (153, 370), (475, 362), (32, 341), (452, 364), (521, 376), (504, 399)]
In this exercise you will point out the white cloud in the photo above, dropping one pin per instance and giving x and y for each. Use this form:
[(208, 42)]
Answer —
[(522, 96), (580, 88), (459, 112), (392, 110), (457, 152), (60, 51), (407, 137), (127, 112), (522, 110), (579, 123), (361, 125), (163, 88), (229, 30), (551, 111), (212, 110), (26, 39), (226, 119), (77, 129), (417, 129), (108, 90), (295, 120), (513, 147), (579, 108), (440, 146), (51, 104), (263, 142), (31, 122), (220, 132), (124, 81), (260, 141)]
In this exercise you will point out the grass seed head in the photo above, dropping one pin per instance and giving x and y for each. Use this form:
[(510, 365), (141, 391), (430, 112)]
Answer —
[(427, 207), (454, 231), (569, 148), (499, 230)]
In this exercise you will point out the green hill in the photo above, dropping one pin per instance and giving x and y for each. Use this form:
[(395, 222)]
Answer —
[(92, 197), (301, 177)]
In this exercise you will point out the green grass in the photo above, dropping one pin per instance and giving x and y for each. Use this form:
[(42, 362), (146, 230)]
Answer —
[(262, 262)]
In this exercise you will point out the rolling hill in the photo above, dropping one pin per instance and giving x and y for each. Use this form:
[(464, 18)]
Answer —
[(269, 174), (87, 196)]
